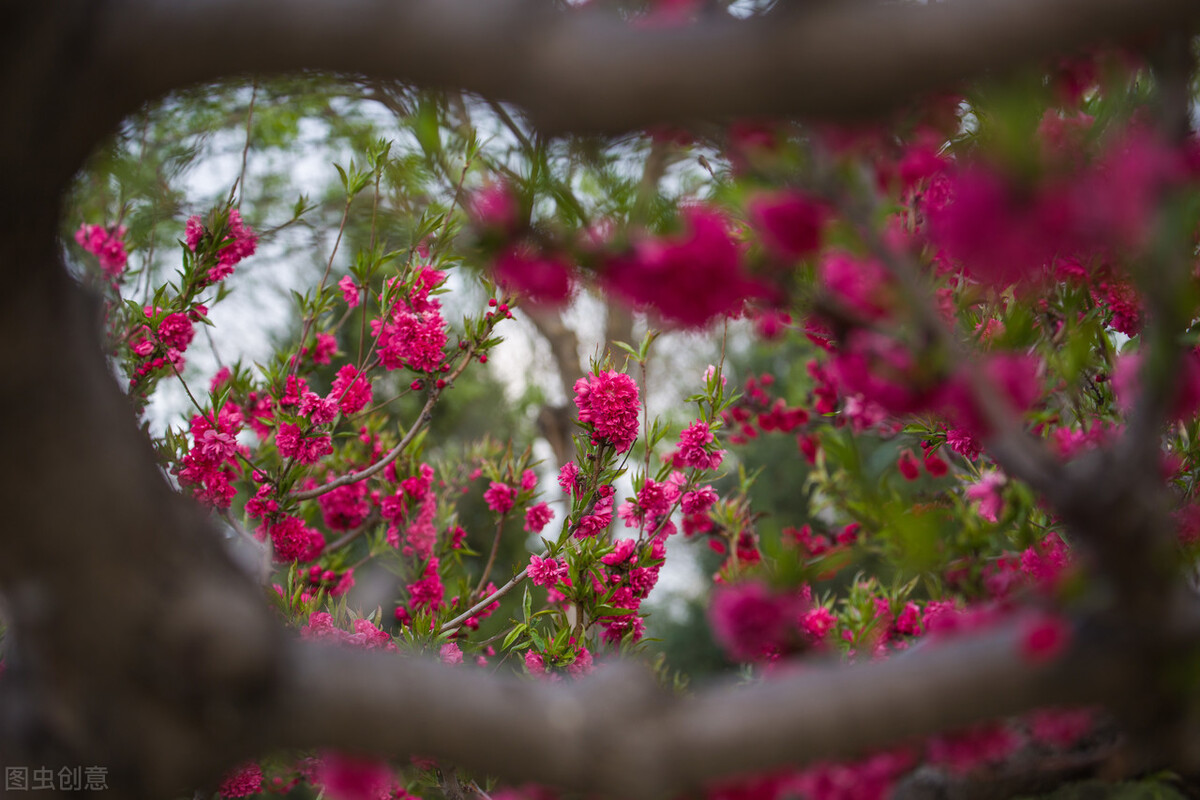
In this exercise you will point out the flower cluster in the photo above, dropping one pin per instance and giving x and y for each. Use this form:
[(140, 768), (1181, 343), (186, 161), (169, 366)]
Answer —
[(413, 334), (609, 404), (212, 463), (107, 244), (222, 248)]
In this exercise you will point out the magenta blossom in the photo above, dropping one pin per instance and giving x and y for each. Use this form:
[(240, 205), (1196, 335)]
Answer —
[(789, 223), (987, 494), (609, 402), (106, 244), (543, 279), (750, 622), (689, 279), (243, 781), (499, 497)]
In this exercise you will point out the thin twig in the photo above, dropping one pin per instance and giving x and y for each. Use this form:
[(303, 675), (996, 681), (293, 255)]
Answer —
[(423, 419), (312, 318), (487, 569), (241, 181), (453, 625)]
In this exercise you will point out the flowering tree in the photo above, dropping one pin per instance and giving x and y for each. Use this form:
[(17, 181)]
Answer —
[(989, 395)]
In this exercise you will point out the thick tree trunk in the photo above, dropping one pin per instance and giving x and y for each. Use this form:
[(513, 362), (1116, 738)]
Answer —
[(134, 642)]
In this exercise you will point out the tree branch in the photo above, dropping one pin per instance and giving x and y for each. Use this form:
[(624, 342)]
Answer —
[(584, 70), (618, 734)]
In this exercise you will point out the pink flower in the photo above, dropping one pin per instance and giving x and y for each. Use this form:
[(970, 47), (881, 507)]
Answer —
[(210, 464), (1123, 302), (428, 592), (810, 544), (987, 493), (817, 623), (789, 223), (495, 207), (568, 477), (699, 501), (106, 244), (528, 480), (849, 534), (325, 348), (907, 463), (411, 339), (537, 517), (346, 777), (176, 331), (351, 389), (600, 518), (546, 571), (624, 550), (345, 507), (781, 418), (544, 280), (239, 242), (294, 387), (219, 380), (861, 288), (965, 750), (1002, 235), (420, 535), (909, 620), (242, 781), (349, 291), (689, 279), (749, 622), (416, 486), (499, 497), (1045, 562), (535, 663), (608, 401), (307, 449), (582, 665), (935, 465), (962, 442), (292, 539), (654, 501), (626, 627), (368, 637), (450, 653), (1044, 638), (193, 232), (769, 323), (693, 443), (321, 411), (920, 162)]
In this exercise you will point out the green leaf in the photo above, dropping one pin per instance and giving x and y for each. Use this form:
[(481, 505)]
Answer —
[(613, 611), (512, 636), (629, 349)]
